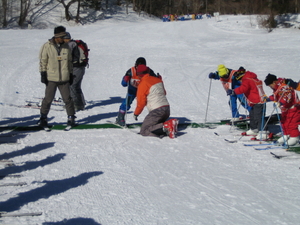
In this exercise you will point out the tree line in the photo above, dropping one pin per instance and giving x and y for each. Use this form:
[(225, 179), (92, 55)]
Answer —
[(17, 11)]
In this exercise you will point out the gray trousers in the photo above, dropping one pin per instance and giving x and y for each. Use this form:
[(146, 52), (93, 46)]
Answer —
[(154, 121), (64, 89), (75, 88)]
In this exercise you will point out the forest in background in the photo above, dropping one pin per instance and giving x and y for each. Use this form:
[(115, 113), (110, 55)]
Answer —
[(18, 11)]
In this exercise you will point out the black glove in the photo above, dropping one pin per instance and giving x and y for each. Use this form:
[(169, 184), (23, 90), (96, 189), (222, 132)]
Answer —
[(71, 78), (230, 92), (44, 78), (291, 83), (212, 76)]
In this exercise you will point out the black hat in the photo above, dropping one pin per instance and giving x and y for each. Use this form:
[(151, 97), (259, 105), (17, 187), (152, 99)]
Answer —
[(140, 61), (59, 31), (270, 78), (68, 36), (240, 73)]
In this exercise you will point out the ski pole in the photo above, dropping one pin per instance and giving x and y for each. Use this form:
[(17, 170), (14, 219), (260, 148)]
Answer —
[(274, 109), (238, 109), (262, 121), (281, 129), (207, 101), (269, 119), (126, 105)]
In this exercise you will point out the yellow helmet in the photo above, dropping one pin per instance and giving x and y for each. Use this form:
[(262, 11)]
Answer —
[(222, 70)]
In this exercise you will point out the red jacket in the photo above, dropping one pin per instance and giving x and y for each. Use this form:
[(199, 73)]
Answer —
[(251, 87), (285, 95)]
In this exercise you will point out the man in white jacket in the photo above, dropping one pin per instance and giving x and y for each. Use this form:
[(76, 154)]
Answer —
[(56, 72)]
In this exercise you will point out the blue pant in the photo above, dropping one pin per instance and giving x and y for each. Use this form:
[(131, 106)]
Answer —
[(129, 98), (233, 104)]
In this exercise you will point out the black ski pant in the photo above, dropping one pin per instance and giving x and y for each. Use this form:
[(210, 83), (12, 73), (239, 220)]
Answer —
[(257, 117)]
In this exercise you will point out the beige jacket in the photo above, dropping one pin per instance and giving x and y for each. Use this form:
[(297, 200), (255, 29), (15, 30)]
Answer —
[(56, 61)]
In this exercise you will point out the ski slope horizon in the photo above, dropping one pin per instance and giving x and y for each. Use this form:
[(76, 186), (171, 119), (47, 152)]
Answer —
[(115, 176)]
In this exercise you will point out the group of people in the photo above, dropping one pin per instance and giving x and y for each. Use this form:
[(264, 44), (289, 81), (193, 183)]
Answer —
[(142, 83), (244, 86), (61, 69)]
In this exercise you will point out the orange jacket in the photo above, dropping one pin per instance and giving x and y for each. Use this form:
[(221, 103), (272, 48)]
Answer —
[(226, 82), (150, 93)]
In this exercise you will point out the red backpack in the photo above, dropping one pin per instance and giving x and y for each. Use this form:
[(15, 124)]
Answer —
[(84, 53)]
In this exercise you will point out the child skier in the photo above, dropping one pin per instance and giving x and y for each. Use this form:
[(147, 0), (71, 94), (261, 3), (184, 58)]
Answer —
[(288, 102)]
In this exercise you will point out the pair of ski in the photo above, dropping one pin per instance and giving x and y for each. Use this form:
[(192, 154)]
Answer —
[(39, 104), (8, 214), (13, 184), (28, 106), (263, 145), (48, 128), (267, 144)]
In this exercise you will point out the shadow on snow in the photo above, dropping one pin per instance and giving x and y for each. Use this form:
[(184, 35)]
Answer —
[(49, 189), (74, 221)]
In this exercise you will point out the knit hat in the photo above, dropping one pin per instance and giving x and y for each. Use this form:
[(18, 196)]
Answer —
[(140, 61), (240, 73), (141, 70), (68, 36), (222, 70), (59, 32), (270, 78)]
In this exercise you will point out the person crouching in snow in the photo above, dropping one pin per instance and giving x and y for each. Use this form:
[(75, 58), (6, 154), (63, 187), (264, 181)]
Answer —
[(131, 81), (151, 93), (288, 102), (253, 90)]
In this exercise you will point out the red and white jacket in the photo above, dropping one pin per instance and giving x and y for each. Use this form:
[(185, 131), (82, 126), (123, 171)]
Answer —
[(285, 95), (150, 93), (226, 82), (252, 88)]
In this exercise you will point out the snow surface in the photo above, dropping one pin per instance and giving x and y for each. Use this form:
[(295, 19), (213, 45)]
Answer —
[(114, 176)]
